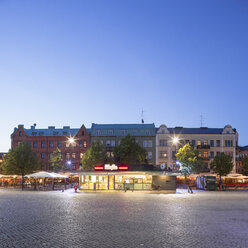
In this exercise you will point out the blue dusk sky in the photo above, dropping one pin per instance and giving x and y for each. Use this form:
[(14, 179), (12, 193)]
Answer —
[(79, 62)]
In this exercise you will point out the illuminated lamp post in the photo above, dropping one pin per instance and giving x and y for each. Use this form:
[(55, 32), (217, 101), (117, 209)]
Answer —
[(71, 141), (175, 141)]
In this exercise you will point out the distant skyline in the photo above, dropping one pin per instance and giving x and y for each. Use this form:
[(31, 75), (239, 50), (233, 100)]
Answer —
[(68, 63)]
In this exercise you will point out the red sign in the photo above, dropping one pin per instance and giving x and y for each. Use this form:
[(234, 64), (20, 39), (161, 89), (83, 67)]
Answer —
[(123, 167), (99, 168), (103, 168)]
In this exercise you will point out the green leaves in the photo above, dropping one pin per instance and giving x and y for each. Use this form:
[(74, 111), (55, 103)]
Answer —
[(189, 159), (20, 161), (129, 151), (222, 164), (56, 160), (95, 155)]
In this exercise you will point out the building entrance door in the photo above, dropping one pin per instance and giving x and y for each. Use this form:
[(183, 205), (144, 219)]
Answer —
[(111, 182)]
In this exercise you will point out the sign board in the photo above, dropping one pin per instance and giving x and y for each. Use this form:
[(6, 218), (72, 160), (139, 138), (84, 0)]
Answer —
[(111, 167)]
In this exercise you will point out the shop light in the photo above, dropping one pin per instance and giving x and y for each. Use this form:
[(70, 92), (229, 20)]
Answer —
[(123, 168), (99, 168)]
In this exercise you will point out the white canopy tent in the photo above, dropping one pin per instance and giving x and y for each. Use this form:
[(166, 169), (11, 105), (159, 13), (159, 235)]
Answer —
[(45, 174)]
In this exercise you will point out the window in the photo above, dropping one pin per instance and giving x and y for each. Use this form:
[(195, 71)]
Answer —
[(50, 143), (65, 133), (59, 144), (212, 143), (163, 154), (85, 144), (205, 154), (50, 155), (112, 142), (198, 142), (217, 153), (43, 144), (149, 155), (110, 154), (34, 133), (228, 143), (67, 155), (55, 133), (35, 144), (134, 132), (29, 143), (123, 132), (145, 143), (110, 132), (186, 141), (74, 144), (218, 143), (148, 132), (193, 142), (205, 142), (41, 133), (42, 155), (211, 154), (20, 133), (98, 132), (108, 143), (81, 155), (73, 155), (101, 142), (149, 143), (163, 142), (82, 133), (67, 144)]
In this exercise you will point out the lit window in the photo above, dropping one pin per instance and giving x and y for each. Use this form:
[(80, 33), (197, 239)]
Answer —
[(205, 142), (205, 154), (73, 155), (85, 144), (67, 155), (81, 155), (198, 142), (163, 154)]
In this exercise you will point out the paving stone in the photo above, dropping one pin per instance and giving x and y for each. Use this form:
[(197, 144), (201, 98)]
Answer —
[(132, 219)]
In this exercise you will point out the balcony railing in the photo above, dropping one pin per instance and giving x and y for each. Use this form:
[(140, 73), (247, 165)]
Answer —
[(203, 146)]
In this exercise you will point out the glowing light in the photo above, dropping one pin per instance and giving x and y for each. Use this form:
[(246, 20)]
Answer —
[(175, 140), (122, 168), (69, 162), (97, 168), (71, 140)]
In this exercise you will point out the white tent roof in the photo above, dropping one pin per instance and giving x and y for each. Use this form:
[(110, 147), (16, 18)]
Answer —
[(46, 174)]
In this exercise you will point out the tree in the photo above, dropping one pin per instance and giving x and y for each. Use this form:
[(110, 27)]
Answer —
[(129, 151), (20, 161), (95, 155), (245, 165), (189, 160), (56, 160), (222, 165)]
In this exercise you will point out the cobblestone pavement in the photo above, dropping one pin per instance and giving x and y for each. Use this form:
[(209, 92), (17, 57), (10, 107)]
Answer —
[(68, 219)]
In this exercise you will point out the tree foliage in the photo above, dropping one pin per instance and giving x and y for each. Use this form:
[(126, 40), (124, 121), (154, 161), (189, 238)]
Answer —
[(189, 159), (56, 160), (129, 151), (222, 164), (95, 155), (245, 165), (20, 161)]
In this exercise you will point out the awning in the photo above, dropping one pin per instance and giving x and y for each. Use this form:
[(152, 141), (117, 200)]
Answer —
[(44, 174)]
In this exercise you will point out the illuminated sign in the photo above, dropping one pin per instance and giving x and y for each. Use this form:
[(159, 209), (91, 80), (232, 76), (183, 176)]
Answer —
[(110, 167), (99, 168), (123, 167)]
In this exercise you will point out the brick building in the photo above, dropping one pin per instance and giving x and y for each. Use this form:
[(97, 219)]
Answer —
[(45, 141)]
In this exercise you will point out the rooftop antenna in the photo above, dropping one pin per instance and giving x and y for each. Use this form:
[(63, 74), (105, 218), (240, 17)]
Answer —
[(142, 116)]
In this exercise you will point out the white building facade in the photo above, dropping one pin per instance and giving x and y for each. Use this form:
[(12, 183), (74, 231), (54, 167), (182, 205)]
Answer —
[(208, 141)]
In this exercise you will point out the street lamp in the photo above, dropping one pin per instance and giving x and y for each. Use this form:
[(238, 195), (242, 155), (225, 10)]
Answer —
[(71, 141), (175, 141)]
